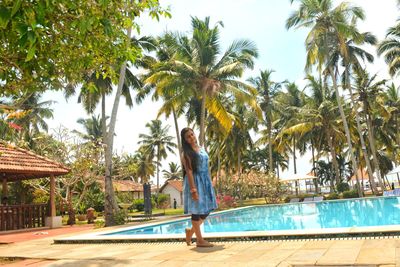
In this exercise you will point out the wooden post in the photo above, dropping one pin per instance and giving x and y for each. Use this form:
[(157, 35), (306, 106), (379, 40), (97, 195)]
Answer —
[(4, 186), (52, 196)]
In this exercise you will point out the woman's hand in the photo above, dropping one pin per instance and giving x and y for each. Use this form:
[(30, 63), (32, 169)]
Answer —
[(195, 195)]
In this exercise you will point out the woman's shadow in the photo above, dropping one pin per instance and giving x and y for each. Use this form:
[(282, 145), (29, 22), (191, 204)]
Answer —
[(209, 249)]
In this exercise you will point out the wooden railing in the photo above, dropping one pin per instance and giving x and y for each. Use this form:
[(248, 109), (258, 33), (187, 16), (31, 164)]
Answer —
[(14, 217)]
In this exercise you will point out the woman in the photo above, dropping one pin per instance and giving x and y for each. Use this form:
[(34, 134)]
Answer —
[(199, 196)]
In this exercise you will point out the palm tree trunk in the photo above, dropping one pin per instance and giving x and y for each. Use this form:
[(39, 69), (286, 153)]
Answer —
[(277, 171), (398, 178), (110, 205), (397, 128), (373, 150), (346, 129), (363, 146), (158, 170), (71, 211), (203, 116), (177, 131), (218, 166), (294, 154), (334, 161), (103, 116), (239, 167), (294, 163), (328, 169), (271, 163), (313, 164)]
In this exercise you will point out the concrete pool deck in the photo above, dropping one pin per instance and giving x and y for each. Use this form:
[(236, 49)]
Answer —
[(356, 251), (345, 232), (322, 252)]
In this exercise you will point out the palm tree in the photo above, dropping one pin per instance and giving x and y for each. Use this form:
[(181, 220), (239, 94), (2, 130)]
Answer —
[(35, 113), (390, 48), (324, 172), (267, 90), (174, 96), (144, 165), (174, 172), (293, 99), (351, 61), (92, 129), (368, 91), (330, 30), (392, 100), (318, 120), (199, 68), (157, 143), (95, 90)]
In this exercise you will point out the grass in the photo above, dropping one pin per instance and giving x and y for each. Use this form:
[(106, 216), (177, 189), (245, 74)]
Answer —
[(253, 201), (178, 211)]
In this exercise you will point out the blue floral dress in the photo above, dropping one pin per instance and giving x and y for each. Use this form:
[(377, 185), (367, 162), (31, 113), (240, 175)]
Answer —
[(207, 201)]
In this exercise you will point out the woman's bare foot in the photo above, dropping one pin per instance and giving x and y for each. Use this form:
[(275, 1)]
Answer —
[(204, 244), (188, 237)]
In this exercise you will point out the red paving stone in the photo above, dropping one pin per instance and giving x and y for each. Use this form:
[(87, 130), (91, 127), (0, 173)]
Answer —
[(42, 233)]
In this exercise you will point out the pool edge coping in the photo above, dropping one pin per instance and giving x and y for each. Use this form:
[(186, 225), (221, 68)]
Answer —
[(102, 237)]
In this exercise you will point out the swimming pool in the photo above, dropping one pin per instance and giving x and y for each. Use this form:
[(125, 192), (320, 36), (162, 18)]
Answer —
[(350, 217), (295, 216)]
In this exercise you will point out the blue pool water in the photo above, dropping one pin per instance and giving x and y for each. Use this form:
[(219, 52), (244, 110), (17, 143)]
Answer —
[(299, 216)]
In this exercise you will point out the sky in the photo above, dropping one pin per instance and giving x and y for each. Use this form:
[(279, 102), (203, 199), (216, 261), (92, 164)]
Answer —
[(261, 21)]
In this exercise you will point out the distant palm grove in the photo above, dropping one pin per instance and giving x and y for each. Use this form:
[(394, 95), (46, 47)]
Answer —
[(346, 117)]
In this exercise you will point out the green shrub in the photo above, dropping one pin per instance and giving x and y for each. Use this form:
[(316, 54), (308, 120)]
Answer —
[(303, 196), (99, 224), (286, 199), (332, 196), (341, 187), (94, 198), (139, 204), (120, 217), (350, 194), (161, 200)]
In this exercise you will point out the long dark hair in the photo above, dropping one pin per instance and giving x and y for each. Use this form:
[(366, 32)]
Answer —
[(188, 152)]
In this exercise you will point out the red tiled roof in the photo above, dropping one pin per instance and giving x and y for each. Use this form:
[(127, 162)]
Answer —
[(362, 174), (124, 185), (20, 164), (177, 184), (312, 173)]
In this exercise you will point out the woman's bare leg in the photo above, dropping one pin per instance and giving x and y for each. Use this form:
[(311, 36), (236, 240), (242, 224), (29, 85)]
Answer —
[(200, 242), (192, 229)]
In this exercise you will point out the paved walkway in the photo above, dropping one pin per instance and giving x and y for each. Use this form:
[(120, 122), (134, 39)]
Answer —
[(42, 233), (334, 252)]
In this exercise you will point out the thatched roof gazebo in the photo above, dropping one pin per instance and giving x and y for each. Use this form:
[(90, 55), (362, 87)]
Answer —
[(18, 164)]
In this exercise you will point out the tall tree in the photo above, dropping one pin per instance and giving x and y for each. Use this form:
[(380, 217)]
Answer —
[(199, 67), (34, 114), (92, 130), (351, 60), (46, 44), (330, 28), (390, 49), (145, 166), (157, 144), (368, 91), (267, 90), (174, 172), (392, 101)]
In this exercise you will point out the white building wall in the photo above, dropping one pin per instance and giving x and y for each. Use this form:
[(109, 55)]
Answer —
[(173, 193)]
